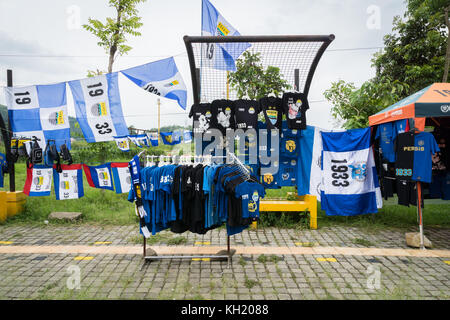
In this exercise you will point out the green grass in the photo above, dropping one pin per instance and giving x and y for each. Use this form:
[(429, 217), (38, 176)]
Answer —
[(264, 258), (107, 207), (363, 242)]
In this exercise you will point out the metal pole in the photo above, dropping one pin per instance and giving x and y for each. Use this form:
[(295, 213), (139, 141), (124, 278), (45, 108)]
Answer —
[(419, 210), (296, 79), (12, 175)]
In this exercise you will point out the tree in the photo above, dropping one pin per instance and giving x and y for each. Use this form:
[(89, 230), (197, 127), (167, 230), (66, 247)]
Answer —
[(353, 106), (413, 58), (414, 53), (447, 55), (113, 33), (253, 81)]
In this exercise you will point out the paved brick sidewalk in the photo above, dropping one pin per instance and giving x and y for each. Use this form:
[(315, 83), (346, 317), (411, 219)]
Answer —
[(124, 235), (257, 276)]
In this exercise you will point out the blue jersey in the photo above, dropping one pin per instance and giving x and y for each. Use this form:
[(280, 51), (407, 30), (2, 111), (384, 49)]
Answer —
[(414, 151), (386, 134), (250, 193)]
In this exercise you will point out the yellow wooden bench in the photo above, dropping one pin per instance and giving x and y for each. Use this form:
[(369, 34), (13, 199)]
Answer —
[(304, 203)]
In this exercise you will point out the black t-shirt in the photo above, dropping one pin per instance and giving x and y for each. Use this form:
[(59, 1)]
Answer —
[(273, 111), (246, 114), (441, 160), (198, 214), (295, 105), (222, 115), (404, 149), (202, 117)]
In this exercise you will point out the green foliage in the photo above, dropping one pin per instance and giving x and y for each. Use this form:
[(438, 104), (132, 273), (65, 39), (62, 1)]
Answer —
[(414, 52), (112, 34), (413, 58), (253, 81), (354, 106)]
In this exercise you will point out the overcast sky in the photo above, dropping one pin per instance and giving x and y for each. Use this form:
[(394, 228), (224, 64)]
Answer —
[(43, 43)]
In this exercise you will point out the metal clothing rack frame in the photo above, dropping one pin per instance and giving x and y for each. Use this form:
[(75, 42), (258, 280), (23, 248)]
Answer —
[(220, 256)]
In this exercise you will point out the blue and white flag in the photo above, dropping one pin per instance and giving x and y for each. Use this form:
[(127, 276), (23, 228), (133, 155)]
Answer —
[(309, 174), (121, 177), (98, 107), (140, 140), (39, 111), (170, 138), (349, 177), (154, 140), (69, 182), (161, 78), (220, 56), (99, 176), (187, 136), (122, 143), (143, 139)]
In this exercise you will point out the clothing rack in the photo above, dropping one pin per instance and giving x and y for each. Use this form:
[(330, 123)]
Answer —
[(150, 254)]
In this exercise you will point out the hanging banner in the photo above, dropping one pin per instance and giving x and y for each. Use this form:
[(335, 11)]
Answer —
[(143, 140), (140, 140), (121, 177), (39, 111), (161, 78), (122, 143), (39, 181), (349, 178), (153, 137), (187, 136), (99, 176), (133, 138), (69, 182), (170, 138), (98, 107), (221, 56)]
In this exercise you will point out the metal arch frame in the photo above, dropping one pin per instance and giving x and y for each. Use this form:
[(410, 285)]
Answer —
[(188, 41), (6, 135)]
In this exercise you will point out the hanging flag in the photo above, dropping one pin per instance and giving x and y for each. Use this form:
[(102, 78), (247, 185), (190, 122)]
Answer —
[(170, 138), (122, 143), (153, 137), (349, 177), (39, 181), (39, 111), (69, 182), (220, 56), (309, 170), (140, 140), (99, 176), (143, 140), (133, 138), (121, 177), (98, 107), (161, 78), (187, 136)]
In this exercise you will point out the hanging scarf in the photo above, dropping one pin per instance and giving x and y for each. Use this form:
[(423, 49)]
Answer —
[(135, 170)]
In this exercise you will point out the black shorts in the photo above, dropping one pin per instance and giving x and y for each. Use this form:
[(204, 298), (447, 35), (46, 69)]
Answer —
[(407, 193)]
